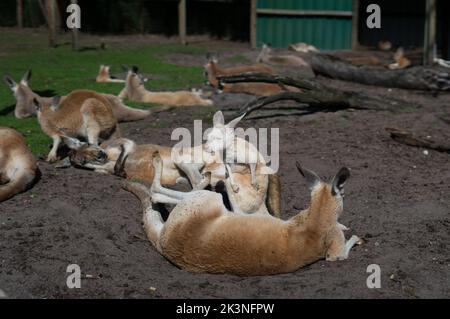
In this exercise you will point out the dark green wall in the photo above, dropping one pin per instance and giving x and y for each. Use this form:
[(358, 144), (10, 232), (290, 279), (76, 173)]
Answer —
[(324, 32)]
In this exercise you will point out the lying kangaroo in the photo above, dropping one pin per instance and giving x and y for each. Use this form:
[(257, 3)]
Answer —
[(124, 158), (25, 108), (401, 61), (266, 56), (103, 76), (303, 47), (222, 140), (135, 91), (201, 235), (212, 71), (82, 113), (18, 169)]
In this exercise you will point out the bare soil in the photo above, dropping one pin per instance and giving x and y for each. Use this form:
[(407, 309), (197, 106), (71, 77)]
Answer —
[(397, 200)]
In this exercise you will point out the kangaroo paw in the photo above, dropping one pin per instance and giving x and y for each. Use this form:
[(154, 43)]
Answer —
[(342, 227)]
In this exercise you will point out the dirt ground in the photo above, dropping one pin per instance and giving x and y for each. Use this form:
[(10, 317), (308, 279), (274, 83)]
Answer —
[(397, 200)]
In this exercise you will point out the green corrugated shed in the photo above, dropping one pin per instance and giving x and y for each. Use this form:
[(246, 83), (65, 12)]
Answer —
[(324, 32)]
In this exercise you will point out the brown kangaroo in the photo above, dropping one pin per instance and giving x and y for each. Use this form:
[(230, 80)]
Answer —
[(401, 61), (266, 56), (103, 76), (18, 169), (135, 91), (212, 71), (201, 235), (82, 113), (25, 107), (124, 158)]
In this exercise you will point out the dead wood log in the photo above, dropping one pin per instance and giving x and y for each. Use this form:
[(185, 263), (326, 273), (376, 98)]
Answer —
[(409, 138), (314, 94), (415, 78)]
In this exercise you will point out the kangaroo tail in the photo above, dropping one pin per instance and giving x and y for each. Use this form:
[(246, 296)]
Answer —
[(125, 113), (274, 195), (140, 191), (16, 186)]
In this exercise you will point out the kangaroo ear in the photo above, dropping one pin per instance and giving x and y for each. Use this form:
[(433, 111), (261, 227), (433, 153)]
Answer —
[(56, 100), (218, 119), (72, 143), (339, 180), (311, 178), (215, 58), (9, 81), (125, 68), (37, 104), (135, 69), (208, 56), (26, 77), (234, 122)]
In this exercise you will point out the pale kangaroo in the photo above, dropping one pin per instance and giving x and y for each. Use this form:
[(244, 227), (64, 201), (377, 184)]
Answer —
[(124, 158), (234, 150), (82, 113), (401, 61), (25, 107), (212, 71), (18, 169), (104, 76), (135, 91), (201, 235), (266, 56)]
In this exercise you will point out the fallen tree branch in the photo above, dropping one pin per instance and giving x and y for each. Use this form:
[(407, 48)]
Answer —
[(416, 77), (408, 138), (314, 94)]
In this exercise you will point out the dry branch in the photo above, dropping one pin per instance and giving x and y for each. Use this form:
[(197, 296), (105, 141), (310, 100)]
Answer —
[(416, 77), (409, 138), (314, 95)]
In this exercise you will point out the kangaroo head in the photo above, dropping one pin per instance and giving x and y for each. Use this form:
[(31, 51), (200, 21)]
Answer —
[(104, 71), (44, 106), (265, 51), (134, 80), (83, 154), (23, 94), (210, 68), (326, 197), (222, 135)]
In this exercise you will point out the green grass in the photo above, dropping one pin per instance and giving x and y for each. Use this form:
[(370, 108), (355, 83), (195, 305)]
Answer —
[(61, 70)]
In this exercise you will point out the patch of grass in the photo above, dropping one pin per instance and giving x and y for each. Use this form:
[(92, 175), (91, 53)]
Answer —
[(206, 111), (238, 58), (61, 70)]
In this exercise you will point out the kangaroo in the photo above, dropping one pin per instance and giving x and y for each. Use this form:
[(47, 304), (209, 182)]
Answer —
[(212, 71), (384, 45), (25, 107), (124, 158), (103, 76), (18, 169), (135, 91), (221, 139), (82, 113), (266, 56), (401, 62), (303, 47), (201, 235)]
